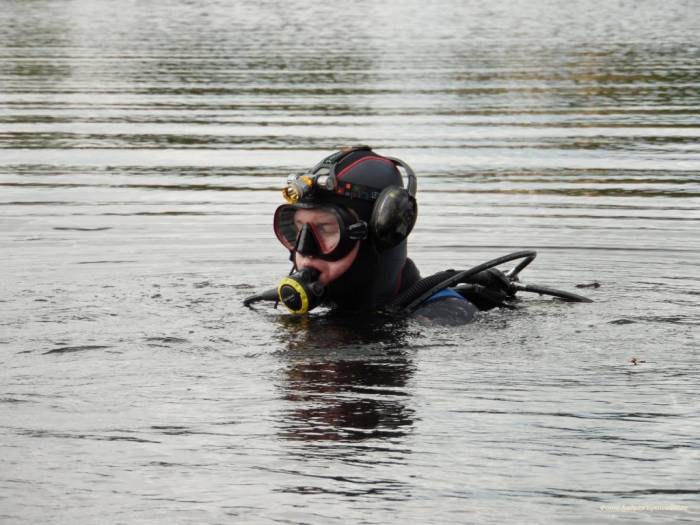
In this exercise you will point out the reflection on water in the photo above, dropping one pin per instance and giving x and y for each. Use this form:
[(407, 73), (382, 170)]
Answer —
[(355, 419), (142, 150), (355, 392)]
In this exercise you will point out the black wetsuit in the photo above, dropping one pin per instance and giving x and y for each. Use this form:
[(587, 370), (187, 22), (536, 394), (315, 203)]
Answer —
[(446, 307)]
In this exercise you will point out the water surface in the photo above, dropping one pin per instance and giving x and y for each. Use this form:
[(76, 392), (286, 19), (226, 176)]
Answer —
[(142, 153)]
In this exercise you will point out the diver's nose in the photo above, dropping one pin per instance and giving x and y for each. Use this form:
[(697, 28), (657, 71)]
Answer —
[(306, 261)]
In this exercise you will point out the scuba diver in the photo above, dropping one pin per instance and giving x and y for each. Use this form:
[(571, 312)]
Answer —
[(346, 224)]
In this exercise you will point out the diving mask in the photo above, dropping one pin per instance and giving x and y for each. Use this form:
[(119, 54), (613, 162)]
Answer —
[(327, 232)]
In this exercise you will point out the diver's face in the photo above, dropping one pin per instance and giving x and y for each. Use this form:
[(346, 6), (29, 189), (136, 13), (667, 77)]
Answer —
[(326, 226)]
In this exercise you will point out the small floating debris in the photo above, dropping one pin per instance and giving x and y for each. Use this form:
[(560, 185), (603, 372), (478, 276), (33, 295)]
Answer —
[(67, 349), (635, 361), (594, 284), (167, 339)]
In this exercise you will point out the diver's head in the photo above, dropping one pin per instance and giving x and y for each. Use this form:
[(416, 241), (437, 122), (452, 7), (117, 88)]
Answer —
[(348, 218)]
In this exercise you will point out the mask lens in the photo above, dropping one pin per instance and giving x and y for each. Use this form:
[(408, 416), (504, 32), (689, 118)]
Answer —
[(285, 228), (324, 224)]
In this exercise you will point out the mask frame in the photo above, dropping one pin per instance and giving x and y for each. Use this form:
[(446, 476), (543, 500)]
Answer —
[(308, 242)]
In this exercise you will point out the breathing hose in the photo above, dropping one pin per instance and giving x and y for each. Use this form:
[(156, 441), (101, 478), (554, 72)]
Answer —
[(300, 292), (409, 300)]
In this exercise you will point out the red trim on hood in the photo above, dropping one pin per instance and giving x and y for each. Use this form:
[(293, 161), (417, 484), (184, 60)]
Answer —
[(358, 161)]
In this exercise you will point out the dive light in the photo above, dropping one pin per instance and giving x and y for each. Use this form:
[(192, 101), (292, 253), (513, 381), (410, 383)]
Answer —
[(297, 187), (301, 291)]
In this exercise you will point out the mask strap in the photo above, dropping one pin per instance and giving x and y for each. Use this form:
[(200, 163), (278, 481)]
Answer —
[(412, 184)]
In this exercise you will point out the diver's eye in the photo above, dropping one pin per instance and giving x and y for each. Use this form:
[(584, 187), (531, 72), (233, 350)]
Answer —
[(327, 228)]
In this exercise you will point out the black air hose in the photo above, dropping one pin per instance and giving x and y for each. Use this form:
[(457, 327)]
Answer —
[(409, 300), (419, 288)]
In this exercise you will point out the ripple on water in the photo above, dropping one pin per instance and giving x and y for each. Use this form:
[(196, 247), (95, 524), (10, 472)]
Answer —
[(143, 151)]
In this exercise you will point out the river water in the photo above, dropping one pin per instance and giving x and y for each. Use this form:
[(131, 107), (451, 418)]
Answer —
[(143, 149)]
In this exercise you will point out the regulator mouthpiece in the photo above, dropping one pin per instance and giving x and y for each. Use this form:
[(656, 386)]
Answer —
[(301, 291)]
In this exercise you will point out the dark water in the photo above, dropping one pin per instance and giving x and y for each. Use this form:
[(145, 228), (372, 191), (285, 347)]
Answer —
[(143, 147)]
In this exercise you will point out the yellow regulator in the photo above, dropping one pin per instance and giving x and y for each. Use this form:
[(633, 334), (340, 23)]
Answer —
[(301, 291)]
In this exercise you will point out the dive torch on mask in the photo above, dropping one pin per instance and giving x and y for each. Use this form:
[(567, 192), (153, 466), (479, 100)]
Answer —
[(300, 292)]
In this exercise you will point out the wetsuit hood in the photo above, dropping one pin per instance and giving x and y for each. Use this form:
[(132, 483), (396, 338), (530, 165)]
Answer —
[(359, 178)]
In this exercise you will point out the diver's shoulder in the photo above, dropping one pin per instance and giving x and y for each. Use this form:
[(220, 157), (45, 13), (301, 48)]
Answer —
[(446, 307)]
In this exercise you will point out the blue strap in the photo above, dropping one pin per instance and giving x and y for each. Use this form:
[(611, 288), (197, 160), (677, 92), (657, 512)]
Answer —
[(443, 294)]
